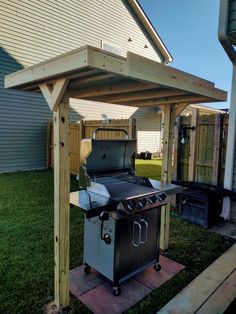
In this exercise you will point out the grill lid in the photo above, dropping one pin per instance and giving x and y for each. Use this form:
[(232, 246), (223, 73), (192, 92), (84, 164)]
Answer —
[(110, 156)]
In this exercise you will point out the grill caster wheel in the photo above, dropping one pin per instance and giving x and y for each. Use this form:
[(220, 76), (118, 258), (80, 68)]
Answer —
[(116, 291), (157, 267), (87, 268)]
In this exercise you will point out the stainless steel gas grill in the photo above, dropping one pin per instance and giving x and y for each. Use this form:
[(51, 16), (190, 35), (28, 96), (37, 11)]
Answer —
[(122, 210)]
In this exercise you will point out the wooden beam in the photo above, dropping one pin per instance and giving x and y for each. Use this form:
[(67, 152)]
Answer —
[(216, 150), (54, 68), (140, 95), (148, 70), (180, 108), (53, 94), (168, 119), (165, 100), (193, 145), (61, 202), (110, 89)]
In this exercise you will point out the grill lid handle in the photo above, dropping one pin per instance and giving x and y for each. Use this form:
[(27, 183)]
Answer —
[(110, 129)]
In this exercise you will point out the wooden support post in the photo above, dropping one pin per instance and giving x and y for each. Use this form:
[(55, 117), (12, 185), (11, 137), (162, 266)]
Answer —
[(193, 145), (169, 116), (216, 151), (48, 144), (58, 101), (61, 201)]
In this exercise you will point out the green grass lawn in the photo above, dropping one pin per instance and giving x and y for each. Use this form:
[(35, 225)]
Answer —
[(26, 244), (149, 168)]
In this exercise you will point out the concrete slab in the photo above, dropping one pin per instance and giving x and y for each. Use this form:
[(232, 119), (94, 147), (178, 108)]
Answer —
[(101, 300), (150, 278), (226, 229), (95, 291)]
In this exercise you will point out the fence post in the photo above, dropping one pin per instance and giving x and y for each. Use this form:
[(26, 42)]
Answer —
[(176, 147), (216, 151), (193, 145)]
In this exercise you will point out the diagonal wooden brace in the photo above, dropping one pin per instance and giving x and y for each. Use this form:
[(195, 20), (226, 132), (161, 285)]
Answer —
[(54, 93)]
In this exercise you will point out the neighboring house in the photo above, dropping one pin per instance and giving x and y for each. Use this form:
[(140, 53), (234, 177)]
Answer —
[(34, 31)]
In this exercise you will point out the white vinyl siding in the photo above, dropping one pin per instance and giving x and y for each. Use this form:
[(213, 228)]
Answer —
[(33, 31)]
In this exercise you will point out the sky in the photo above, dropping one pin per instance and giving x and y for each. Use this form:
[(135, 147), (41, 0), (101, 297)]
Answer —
[(189, 30)]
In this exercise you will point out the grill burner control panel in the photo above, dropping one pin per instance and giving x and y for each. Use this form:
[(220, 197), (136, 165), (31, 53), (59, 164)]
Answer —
[(142, 203)]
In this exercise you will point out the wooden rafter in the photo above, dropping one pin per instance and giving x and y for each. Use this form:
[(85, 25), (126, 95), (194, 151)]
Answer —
[(94, 79), (141, 95), (110, 89), (165, 100)]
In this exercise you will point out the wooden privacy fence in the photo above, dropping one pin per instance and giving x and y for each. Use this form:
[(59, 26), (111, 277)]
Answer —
[(84, 129), (201, 148)]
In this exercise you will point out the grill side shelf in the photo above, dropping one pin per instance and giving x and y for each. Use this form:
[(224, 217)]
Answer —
[(92, 203)]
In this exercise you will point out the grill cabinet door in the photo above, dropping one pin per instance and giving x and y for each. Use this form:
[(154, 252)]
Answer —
[(127, 258), (149, 249), (134, 252)]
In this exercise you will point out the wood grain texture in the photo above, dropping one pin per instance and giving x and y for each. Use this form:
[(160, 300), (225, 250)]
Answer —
[(168, 119), (203, 287), (219, 301), (61, 202)]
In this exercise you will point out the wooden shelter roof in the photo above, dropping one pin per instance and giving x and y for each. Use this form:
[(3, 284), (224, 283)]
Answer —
[(95, 74)]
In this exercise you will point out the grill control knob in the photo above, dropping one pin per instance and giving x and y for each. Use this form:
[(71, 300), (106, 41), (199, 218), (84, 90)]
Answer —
[(152, 199), (131, 204), (142, 202), (162, 197)]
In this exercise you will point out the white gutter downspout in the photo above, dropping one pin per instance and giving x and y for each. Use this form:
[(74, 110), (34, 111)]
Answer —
[(228, 47)]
